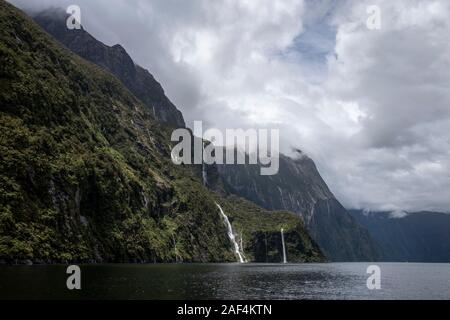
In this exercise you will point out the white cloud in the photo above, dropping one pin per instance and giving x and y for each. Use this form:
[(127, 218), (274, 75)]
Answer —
[(398, 77), (371, 107), (398, 214)]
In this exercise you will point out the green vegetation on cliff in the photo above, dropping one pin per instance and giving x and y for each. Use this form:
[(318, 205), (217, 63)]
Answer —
[(260, 231), (85, 170)]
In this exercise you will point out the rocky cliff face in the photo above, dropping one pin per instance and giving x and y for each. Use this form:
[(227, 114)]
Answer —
[(415, 237), (298, 187), (86, 172), (260, 233), (117, 61)]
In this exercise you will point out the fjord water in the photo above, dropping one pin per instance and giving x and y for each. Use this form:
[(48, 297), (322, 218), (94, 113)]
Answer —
[(228, 281)]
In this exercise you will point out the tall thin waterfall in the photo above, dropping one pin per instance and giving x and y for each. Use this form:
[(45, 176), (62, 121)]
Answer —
[(238, 253), (204, 175), (175, 247), (241, 244), (284, 248)]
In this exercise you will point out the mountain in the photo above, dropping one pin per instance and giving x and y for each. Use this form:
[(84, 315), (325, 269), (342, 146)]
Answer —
[(86, 172), (114, 59), (298, 187), (260, 231), (413, 237)]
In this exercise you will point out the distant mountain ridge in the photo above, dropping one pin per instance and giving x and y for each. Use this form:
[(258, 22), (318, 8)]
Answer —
[(298, 187), (114, 59), (414, 237)]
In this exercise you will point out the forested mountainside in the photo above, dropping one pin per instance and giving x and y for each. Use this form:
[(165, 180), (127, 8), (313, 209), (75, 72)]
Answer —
[(114, 59), (86, 171)]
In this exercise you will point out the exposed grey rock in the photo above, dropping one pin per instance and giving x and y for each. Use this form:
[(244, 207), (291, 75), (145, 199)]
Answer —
[(298, 187), (117, 61)]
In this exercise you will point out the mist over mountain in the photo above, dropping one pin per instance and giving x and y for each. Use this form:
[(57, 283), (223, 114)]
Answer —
[(298, 187), (412, 237), (87, 176), (116, 60), (86, 172), (224, 150)]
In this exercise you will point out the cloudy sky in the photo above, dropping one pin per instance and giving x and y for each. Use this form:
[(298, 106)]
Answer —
[(371, 107)]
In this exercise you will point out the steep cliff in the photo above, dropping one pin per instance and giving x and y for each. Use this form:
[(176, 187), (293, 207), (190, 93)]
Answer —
[(117, 61), (260, 232), (298, 187), (86, 171)]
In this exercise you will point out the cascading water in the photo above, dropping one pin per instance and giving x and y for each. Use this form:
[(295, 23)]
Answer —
[(241, 244), (239, 254), (284, 248), (204, 175), (175, 247)]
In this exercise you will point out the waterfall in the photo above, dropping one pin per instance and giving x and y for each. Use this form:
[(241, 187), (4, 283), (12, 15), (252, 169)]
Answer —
[(284, 248), (175, 248), (204, 175), (240, 243), (231, 236)]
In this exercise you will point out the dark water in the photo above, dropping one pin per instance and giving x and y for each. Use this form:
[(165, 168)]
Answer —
[(228, 281)]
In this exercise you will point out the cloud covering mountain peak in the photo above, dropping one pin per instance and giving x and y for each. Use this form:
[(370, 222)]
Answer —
[(371, 107)]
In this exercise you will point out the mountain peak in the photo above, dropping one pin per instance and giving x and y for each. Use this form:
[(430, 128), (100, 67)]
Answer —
[(114, 59), (119, 48)]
